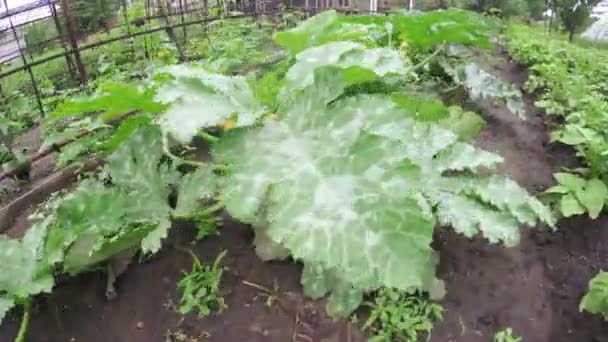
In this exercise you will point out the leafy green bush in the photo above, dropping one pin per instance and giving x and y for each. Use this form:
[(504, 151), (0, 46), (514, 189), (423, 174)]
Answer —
[(340, 176), (572, 83)]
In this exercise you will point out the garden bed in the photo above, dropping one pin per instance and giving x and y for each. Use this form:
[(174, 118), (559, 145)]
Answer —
[(534, 288)]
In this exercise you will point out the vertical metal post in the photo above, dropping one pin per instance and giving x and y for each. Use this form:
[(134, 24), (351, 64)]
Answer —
[(184, 30), (65, 7), (58, 28), (25, 62), (170, 31), (147, 21), (125, 16)]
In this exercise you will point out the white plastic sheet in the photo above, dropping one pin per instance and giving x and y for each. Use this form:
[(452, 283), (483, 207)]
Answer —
[(598, 31)]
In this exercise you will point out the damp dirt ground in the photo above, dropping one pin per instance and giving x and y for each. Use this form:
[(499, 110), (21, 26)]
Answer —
[(534, 288)]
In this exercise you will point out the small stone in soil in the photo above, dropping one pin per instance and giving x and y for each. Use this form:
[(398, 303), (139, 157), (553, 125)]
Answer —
[(139, 325)]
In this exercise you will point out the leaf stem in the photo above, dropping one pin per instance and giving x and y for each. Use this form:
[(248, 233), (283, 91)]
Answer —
[(210, 138), (176, 158), (25, 321), (213, 208), (428, 58), (220, 167)]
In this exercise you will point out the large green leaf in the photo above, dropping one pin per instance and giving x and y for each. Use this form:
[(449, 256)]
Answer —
[(199, 99), (318, 282), (593, 196), (311, 170), (428, 109), (136, 166), (5, 305), (113, 99), (96, 222), (91, 210), (596, 299), (25, 271), (431, 28), (481, 84), (360, 63), (570, 206), (84, 220), (464, 123), (193, 187), (307, 33), (351, 185), (422, 31), (570, 181)]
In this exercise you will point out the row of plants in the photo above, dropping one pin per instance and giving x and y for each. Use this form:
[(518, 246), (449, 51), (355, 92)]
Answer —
[(572, 86), (340, 153), (232, 45)]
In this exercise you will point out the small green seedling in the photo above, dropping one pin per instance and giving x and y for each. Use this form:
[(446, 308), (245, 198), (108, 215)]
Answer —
[(397, 316), (506, 335), (201, 288), (206, 224)]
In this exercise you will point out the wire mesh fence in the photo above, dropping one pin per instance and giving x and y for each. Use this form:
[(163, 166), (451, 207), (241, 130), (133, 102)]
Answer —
[(61, 40)]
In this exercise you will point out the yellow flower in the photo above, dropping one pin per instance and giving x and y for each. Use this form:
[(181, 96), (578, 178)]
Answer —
[(228, 124)]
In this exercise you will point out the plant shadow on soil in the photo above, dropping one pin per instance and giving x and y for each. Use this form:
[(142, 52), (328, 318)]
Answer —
[(534, 288)]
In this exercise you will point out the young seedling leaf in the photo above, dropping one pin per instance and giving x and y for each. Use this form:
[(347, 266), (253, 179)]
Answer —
[(570, 206), (596, 299), (593, 196)]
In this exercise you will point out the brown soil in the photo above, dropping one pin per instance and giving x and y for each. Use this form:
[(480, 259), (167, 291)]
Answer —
[(533, 288), (145, 308)]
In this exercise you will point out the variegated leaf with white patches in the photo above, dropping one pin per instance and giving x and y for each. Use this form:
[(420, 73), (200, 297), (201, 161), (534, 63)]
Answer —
[(199, 99)]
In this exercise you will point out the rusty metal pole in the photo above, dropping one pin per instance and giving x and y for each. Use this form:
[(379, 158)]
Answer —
[(65, 7)]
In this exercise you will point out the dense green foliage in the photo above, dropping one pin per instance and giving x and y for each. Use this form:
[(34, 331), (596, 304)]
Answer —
[(507, 8), (572, 83), (92, 15), (349, 169)]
